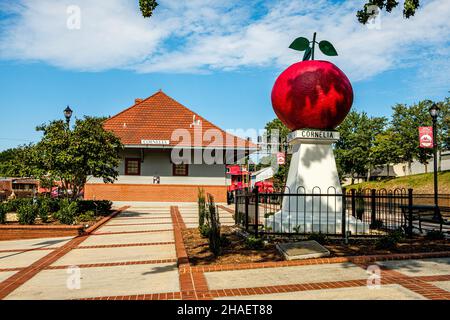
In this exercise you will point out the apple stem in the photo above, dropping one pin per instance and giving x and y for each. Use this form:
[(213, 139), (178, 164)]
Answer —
[(313, 45)]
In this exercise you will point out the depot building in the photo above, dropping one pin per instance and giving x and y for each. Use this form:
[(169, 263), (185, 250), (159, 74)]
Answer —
[(167, 154)]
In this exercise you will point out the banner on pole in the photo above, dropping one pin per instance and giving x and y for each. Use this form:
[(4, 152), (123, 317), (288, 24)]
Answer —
[(281, 158), (426, 137)]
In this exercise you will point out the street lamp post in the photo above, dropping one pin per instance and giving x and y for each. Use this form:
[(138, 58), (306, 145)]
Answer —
[(68, 114), (434, 113)]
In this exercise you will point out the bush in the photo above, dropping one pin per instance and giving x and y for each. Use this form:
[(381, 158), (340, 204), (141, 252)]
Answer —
[(224, 241), (204, 230), (319, 237), (44, 211), (390, 240), (2, 213), (435, 235), (87, 216), (27, 213), (201, 208), (214, 225), (67, 212), (386, 242), (253, 243), (14, 204)]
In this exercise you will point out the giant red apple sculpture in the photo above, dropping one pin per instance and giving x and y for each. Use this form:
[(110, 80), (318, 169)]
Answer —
[(312, 94)]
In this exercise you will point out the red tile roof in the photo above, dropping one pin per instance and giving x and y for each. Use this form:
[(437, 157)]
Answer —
[(158, 116)]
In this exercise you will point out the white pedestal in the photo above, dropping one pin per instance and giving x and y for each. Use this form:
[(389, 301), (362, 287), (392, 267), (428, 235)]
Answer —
[(313, 178)]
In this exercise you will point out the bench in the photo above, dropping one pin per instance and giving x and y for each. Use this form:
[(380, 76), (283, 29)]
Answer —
[(425, 213)]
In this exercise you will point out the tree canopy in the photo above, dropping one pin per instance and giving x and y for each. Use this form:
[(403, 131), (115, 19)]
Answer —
[(147, 7), (409, 8), (70, 156)]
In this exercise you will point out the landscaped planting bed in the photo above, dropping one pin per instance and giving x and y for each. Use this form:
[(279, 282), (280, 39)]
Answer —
[(46, 217), (237, 251)]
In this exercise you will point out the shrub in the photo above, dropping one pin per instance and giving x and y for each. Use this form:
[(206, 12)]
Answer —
[(390, 240), (201, 207), (386, 242), (224, 241), (253, 243), (86, 216), (319, 237), (2, 213), (214, 225), (67, 212), (435, 235), (14, 204), (27, 213), (204, 231), (44, 211)]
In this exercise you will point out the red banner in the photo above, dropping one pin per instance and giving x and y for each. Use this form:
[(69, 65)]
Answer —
[(426, 137), (281, 159)]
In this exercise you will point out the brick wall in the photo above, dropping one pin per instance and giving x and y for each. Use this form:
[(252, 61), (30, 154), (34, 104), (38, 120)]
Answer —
[(152, 192), (15, 232)]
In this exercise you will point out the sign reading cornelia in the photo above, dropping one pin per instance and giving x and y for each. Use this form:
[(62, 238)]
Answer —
[(311, 98), (156, 142)]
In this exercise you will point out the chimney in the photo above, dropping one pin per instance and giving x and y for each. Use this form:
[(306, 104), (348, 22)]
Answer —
[(137, 100)]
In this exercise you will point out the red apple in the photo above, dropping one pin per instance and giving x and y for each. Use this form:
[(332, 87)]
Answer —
[(312, 94)]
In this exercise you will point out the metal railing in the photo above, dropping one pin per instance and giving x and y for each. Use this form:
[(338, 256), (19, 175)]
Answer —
[(352, 213)]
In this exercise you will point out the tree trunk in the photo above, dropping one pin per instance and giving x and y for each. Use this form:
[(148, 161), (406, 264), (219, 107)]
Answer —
[(409, 168), (387, 169)]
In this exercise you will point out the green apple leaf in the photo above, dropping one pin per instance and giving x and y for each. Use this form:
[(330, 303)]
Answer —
[(327, 48), (307, 54), (300, 44)]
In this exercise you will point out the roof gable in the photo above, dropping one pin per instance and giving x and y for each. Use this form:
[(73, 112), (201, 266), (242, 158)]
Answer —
[(158, 116)]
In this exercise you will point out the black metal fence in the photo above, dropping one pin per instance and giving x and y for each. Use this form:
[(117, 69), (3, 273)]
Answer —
[(352, 213)]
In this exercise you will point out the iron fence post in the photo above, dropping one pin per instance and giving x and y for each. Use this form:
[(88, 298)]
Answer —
[(246, 197), (256, 212), (344, 209), (353, 202), (410, 214), (373, 206), (236, 209)]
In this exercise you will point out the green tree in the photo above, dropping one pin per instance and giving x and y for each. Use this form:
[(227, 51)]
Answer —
[(386, 149), (147, 7), (6, 157), (71, 156), (405, 123), (353, 150), (409, 8)]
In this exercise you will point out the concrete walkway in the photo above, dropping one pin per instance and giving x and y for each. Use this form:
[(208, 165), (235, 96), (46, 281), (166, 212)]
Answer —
[(139, 254)]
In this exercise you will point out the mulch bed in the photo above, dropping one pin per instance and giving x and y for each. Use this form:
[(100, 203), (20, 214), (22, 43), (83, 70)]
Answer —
[(199, 253), (367, 247)]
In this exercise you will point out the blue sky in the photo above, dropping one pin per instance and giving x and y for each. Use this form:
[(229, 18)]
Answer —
[(220, 59)]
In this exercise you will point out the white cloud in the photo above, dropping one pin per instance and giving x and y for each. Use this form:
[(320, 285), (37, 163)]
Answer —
[(205, 35)]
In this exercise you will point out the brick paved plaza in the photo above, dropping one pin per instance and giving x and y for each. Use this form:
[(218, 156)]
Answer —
[(139, 254)]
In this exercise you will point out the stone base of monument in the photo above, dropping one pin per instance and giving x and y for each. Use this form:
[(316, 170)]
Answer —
[(312, 200), (302, 250)]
